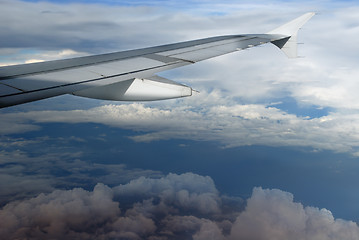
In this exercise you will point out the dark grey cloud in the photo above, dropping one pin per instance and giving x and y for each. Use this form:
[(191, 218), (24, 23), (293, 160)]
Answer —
[(96, 27), (41, 165), (162, 212), (88, 27), (53, 26)]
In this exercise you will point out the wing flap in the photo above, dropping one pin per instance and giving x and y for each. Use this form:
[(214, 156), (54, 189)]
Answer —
[(10, 99), (99, 74)]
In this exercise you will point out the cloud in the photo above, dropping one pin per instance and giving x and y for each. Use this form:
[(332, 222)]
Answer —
[(59, 214), (159, 214), (272, 214), (20, 56), (212, 117), (96, 27), (176, 190), (26, 172)]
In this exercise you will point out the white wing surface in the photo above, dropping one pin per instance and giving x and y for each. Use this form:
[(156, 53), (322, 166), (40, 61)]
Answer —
[(130, 75)]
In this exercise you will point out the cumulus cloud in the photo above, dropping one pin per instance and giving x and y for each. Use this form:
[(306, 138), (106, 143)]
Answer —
[(176, 190), (101, 214), (59, 214), (272, 214)]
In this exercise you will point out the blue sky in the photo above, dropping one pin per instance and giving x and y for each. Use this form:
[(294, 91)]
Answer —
[(266, 136)]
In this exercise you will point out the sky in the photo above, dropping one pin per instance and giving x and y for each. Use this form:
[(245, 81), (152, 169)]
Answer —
[(269, 148)]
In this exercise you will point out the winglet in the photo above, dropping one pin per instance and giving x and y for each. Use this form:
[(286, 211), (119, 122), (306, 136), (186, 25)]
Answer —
[(288, 40)]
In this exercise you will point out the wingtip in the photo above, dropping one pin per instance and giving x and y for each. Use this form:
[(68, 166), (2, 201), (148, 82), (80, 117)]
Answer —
[(291, 28), (287, 41)]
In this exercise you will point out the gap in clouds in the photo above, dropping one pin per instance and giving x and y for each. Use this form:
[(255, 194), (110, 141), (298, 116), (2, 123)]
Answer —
[(291, 106)]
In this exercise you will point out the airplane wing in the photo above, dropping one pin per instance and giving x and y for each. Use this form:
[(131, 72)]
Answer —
[(131, 75)]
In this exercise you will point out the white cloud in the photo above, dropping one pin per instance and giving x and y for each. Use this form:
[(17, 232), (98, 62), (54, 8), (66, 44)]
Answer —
[(39, 56), (101, 214), (272, 214), (176, 190), (224, 121)]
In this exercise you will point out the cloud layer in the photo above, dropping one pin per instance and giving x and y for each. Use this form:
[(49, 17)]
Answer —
[(225, 121), (41, 165), (171, 207)]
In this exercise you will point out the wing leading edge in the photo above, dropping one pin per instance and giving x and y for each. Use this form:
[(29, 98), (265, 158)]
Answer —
[(131, 75)]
